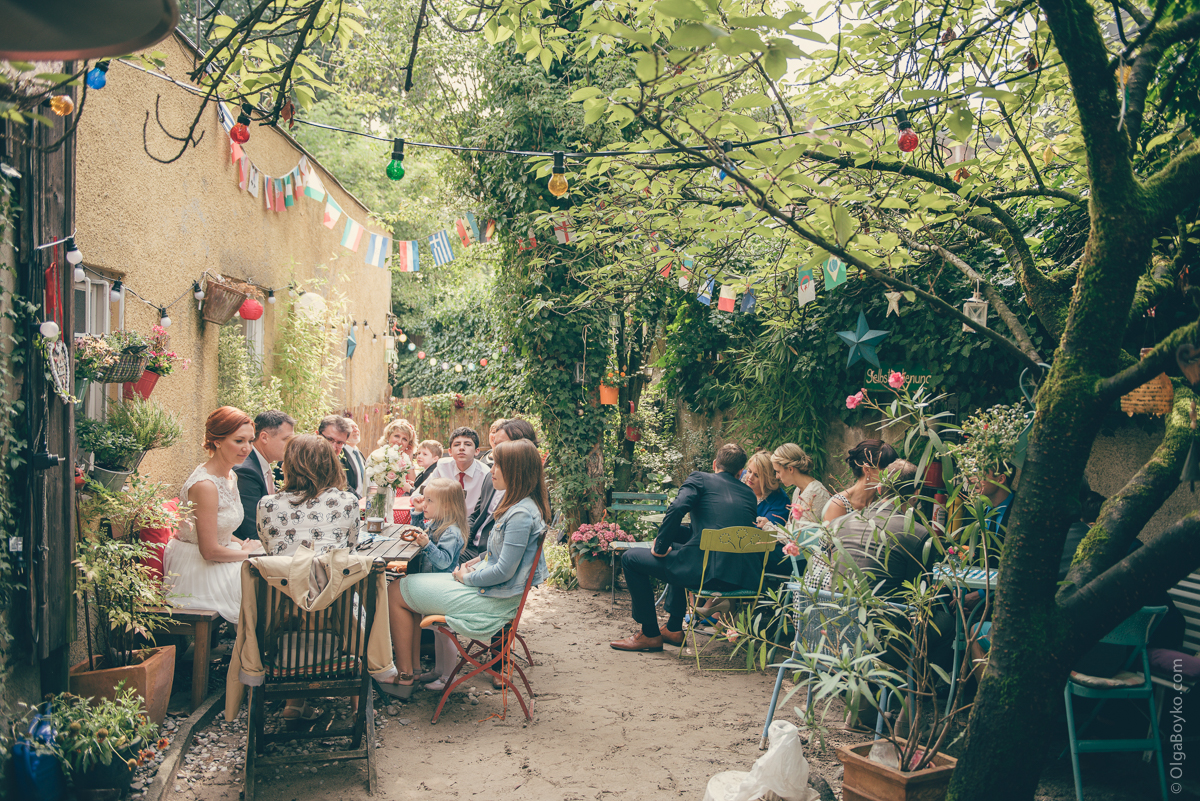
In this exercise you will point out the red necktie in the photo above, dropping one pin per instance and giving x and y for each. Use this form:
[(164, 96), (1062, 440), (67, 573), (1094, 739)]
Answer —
[(462, 479)]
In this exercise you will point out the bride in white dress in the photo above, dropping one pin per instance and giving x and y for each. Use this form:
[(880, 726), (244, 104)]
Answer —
[(203, 562)]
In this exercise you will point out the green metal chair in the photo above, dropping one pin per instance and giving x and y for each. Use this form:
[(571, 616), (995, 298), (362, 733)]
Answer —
[(735, 539), (646, 502), (1134, 632)]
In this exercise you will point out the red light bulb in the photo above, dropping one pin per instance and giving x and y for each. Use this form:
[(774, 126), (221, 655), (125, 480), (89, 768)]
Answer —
[(240, 133), (908, 140)]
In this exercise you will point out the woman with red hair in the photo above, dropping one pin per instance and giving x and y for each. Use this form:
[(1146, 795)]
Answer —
[(203, 562)]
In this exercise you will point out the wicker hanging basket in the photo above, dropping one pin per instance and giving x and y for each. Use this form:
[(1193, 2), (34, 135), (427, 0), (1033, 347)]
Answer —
[(221, 302), (126, 369)]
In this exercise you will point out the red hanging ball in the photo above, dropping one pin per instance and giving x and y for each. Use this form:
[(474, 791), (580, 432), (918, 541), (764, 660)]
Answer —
[(908, 140), (483, 362), (240, 133), (251, 309), (421, 354)]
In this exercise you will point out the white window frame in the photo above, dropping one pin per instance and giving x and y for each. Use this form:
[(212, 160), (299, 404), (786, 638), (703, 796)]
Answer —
[(253, 330), (97, 321)]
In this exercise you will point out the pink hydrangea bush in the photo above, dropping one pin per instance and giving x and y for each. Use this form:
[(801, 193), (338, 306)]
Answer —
[(593, 539)]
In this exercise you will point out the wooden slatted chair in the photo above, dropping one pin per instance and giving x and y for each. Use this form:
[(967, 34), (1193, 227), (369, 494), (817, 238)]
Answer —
[(314, 654), (486, 657)]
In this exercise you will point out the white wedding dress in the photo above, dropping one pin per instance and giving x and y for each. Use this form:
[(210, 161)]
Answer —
[(192, 580)]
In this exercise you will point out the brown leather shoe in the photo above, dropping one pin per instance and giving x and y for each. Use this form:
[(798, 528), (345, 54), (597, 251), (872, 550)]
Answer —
[(672, 637), (638, 642)]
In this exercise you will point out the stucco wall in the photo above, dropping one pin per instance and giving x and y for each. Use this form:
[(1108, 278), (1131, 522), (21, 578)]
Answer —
[(159, 226)]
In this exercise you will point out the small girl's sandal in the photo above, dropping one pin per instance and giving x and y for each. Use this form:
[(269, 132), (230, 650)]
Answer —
[(401, 691), (306, 712)]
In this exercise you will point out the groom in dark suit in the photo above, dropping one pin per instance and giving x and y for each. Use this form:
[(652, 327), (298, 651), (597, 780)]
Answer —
[(715, 500), (255, 478)]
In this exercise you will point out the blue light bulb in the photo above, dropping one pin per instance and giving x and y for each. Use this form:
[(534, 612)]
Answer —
[(97, 76)]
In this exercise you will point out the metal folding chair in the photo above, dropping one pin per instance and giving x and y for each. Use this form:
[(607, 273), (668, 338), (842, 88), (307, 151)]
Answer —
[(486, 657), (313, 654)]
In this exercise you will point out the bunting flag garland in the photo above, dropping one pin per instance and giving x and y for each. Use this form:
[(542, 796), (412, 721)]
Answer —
[(705, 293), (352, 236), (253, 187), (489, 233), (268, 193), (379, 248), (665, 272), (688, 264), (407, 257), (726, 301), (835, 272), (563, 232), (527, 244), (463, 233), (474, 227), (278, 199), (236, 153), (289, 198), (439, 246), (243, 174), (748, 301), (332, 212), (313, 186), (808, 287), (297, 184)]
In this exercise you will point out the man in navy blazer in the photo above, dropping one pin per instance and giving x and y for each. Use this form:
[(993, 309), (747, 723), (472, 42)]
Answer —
[(715, 500), (255, 478)]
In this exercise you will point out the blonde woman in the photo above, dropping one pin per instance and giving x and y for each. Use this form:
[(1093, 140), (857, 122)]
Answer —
[(403, 435), (793, 467), (760, 477)]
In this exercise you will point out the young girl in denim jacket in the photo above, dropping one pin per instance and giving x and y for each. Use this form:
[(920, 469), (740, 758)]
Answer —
[(446, 517)]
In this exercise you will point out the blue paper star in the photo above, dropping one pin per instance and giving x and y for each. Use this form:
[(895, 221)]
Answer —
[(862, 342)]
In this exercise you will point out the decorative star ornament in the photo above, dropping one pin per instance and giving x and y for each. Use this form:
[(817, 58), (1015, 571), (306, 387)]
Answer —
[(862, 341), (893, 299)]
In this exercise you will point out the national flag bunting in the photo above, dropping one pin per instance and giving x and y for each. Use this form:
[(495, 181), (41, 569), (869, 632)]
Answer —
[(439, 246), (665, 272), (474, 227), (236, 153), (562, 232), (289, 197), (243, 174), (748, 301), (728, 296), (252, 188), (464, 233), (379, 248), (705, 293), (332, 212), (313, 186), (268, 193), (807, 287), (277, 201), (352, 235), (835, 272), (489, 232), (527, 244), (407, 258)]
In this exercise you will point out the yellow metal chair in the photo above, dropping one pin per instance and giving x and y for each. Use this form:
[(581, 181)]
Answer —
[(736, 540)]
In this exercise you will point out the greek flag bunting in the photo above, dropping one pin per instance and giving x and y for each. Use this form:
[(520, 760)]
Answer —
[(439, 246), (379, 248), (407, 258)]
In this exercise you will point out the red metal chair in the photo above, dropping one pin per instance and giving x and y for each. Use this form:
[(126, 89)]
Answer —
[(484, 656)]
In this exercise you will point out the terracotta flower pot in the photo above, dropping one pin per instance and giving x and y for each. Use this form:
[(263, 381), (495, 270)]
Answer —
[(150, 678), (865, 780), (594, 574), (142, 387), (609, 395)]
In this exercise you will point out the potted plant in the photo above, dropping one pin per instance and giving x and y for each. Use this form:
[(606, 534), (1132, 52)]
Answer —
[(223, 297), (131, 349), (102, 741), (121, 440), (590, 546), (151, 424), (120, 589), (161, 362), (112, 451), (93, 356)]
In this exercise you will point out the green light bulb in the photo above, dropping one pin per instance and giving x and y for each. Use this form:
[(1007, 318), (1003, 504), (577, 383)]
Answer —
[(395, 169)]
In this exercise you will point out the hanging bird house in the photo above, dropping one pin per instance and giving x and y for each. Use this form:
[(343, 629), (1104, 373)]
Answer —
[(1156, 396), (975, 308)]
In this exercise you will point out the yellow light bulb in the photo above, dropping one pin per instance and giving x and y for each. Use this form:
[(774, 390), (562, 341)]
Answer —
[(62, 105), (558, 184)]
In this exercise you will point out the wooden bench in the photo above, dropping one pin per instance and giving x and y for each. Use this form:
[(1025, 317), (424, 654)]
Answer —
[(196, 623)]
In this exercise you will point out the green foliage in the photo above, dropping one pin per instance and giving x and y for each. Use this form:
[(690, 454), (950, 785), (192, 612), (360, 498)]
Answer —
[(120, 589), (562, 572), (151, 424), (309, 352), (240, 379), (111, 449), (137, 506), (92, 732)]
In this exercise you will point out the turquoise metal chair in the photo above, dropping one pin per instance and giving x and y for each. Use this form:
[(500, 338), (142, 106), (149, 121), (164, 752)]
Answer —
[(1134, 632)]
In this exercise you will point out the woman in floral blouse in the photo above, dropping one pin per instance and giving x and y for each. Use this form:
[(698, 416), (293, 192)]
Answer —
[(314, 508)]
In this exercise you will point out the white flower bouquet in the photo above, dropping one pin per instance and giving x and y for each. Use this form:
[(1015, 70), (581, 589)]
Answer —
[(387, 467)]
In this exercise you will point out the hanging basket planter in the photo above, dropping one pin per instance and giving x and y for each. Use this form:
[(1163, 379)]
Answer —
[(128, 368), (221, 302), (609, 395)]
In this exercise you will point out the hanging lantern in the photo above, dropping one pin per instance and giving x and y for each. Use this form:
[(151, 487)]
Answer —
[(975, 308), (421, 355), (311, 305), (1156, 396), (251, 309)]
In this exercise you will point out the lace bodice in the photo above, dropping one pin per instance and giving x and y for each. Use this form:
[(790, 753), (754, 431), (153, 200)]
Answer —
[(229, 506)]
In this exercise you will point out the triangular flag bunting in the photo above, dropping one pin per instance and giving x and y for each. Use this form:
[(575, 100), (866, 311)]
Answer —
[(379, 248), (728, 296), (808, 287), (407, 256), (352, 235), (439, 246), (332, 212), (464, 233)]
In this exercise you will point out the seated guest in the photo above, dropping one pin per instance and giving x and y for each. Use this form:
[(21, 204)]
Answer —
[(441, 546), (461, 465), (485, 456), (793, 468), (428, 453), (482, 518), (760, 477), (351, 453), (866, 460), (403, 435), (481, 596), (336, 431), (314, 509), (256, 478), (202, 563), (715, 500)]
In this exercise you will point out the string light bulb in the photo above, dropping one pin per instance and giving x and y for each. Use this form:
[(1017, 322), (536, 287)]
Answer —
[(354, 326), (114, 294), (73, 254), (197, 291), (271, 296), (412, 346), (458, 368), (403, 337), (163, 319), (558, 179), (79, 275), (62, 105), (421, 355), (395, 167), (908, 139), (49, 330), (240, 132), (97, 76)]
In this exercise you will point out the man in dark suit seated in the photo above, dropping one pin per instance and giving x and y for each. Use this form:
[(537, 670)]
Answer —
[(715, 500), (255, 478)]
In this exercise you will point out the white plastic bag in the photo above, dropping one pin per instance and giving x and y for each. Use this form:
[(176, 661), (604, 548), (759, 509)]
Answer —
[(783, 770)]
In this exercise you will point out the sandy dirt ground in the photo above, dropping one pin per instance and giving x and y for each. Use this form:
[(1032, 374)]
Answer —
[(606, 725)]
